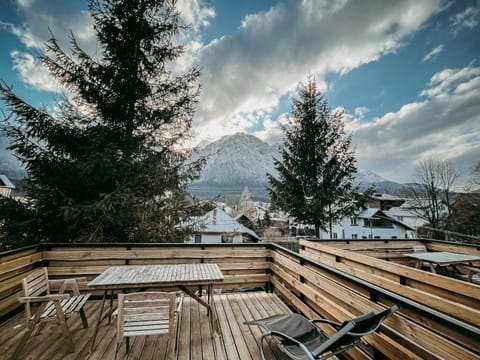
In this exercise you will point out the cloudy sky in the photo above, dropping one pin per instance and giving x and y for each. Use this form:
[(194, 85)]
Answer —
[(406, 73)]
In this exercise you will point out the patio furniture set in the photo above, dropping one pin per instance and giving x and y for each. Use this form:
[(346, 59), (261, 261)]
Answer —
[(145, 312)]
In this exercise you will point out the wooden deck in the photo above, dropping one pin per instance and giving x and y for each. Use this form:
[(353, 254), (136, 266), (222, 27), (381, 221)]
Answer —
[(196, 339)]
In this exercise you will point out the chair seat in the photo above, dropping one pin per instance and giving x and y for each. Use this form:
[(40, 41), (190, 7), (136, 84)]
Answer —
[(142, 327), (69, 306)]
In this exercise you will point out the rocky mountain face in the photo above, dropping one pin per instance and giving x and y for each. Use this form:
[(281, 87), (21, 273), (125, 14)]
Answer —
[(240, 160)]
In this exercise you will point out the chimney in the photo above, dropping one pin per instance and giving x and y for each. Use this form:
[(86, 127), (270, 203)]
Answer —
[(215, 216)]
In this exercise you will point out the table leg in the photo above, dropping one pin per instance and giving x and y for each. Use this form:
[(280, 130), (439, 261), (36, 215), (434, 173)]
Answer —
[(207, 304), (99, 320)]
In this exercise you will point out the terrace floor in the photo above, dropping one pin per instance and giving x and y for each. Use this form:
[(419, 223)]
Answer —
[(196, 339)]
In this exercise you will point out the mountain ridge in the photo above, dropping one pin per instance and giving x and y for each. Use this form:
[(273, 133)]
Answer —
[(243, 160)]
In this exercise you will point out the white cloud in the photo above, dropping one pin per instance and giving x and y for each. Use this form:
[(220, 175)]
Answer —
[(433, 53), (447, 80), (467, 19), (195, 13), (445, 125), (60, 17), (275, 49), (361, 111), (272, 132), (32, 73)]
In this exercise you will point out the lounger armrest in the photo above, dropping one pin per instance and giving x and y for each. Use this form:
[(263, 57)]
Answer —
[(325, 321), (54, 297), (289, 338), (334, 338)]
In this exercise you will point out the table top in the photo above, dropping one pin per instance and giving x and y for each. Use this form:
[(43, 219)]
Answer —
[(444, 257), (134, 276)]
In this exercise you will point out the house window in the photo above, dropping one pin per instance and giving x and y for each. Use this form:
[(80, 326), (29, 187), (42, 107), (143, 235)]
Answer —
[(335, 235), (198, 239), (353, 221), (354, 236), (394, 237), (364, 237), (376, 237)]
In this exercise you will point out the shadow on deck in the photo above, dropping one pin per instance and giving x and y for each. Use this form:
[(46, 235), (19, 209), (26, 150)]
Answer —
[(196, 339)]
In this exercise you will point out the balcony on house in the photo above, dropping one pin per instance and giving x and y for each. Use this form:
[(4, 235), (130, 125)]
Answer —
[(439, 317)]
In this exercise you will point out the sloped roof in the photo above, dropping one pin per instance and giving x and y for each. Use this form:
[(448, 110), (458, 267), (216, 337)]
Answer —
[(372, 212), (219, 222), (5, 182), (367, 213), (397, 211)]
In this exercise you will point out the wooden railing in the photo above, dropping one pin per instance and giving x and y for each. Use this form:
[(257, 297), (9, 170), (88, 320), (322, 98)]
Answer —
[(432, 322), (394, 250), (244, 266)]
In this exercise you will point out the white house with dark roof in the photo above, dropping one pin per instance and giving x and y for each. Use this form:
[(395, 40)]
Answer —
[(217, 227), (370, 223), (6, 186), (407, 216)]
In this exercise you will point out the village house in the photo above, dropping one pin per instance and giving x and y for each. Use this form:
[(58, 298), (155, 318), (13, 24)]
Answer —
[(370, 223), (217, 227)]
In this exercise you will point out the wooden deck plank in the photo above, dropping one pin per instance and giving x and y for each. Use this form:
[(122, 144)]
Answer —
[(238, 338), (184, 336), (227, 335), (195, 329), (207, 341), (259, 312), (197, 341)]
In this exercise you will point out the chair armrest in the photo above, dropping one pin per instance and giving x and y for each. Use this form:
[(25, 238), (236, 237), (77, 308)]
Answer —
[(53, 297), (325, 321)]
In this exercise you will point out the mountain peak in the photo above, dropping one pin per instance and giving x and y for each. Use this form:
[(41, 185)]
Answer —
[(239, 160)]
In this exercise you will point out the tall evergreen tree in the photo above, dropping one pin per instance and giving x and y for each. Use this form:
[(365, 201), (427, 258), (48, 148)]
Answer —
[(107, 166), (316, 172)]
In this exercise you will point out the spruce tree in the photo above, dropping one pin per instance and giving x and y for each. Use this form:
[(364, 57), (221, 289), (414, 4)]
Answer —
[(317, 168), (107, 165)]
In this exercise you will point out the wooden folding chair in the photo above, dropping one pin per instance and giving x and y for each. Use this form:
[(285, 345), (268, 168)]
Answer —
[(148, 313), (59, 307)]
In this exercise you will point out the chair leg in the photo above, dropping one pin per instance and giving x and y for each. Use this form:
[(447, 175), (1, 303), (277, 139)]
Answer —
[(127, 344), (119, 345), (30, 328), (84, 318), (63, 323), (38, 329)]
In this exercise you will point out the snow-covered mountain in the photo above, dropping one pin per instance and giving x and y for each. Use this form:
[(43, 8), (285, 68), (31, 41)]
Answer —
[(241, 160), (237, 159), (368, 176)]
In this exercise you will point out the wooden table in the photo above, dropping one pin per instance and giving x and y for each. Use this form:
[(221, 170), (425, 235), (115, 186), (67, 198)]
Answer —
[(442, 259), (139, 277)]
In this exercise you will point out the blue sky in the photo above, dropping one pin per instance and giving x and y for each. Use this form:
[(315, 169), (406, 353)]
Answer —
[(406, 73)]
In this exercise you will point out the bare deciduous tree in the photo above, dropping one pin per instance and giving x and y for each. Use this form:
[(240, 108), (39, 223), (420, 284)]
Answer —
[(431, 197)]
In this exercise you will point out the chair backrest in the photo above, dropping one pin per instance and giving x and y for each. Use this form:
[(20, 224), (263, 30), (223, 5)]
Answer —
[(419, 249), (357, 328), (145, 313), (36, 283)]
